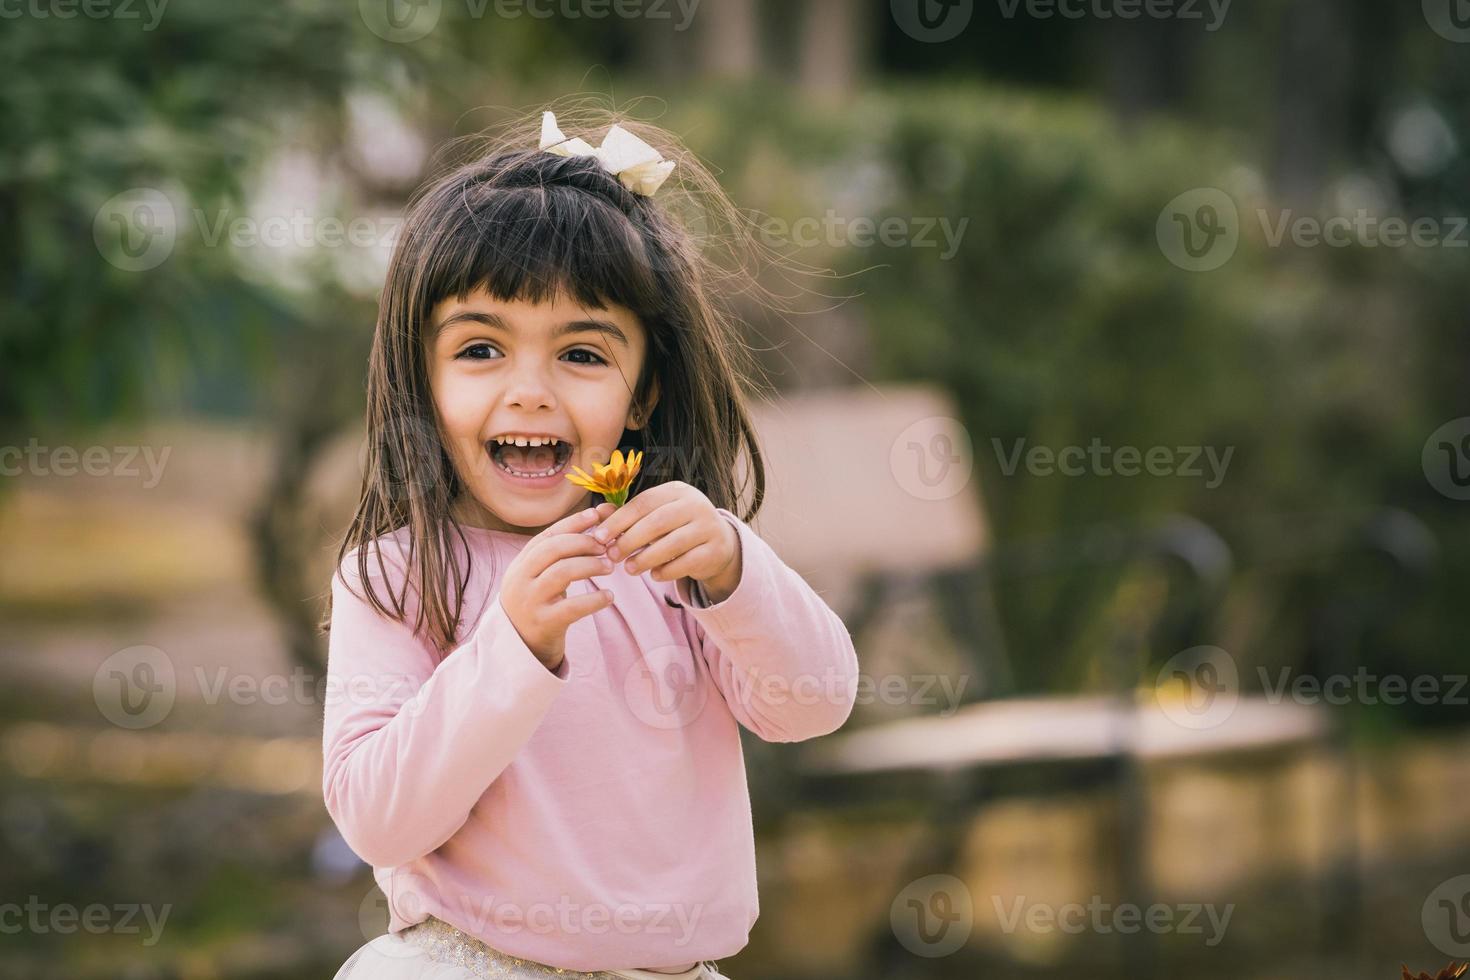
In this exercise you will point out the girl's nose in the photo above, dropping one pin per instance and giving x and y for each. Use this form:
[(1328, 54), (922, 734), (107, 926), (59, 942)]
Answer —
[(529, 390)]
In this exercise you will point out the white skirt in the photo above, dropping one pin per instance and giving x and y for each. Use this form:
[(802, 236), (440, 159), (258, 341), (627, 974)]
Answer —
[(435, 950)]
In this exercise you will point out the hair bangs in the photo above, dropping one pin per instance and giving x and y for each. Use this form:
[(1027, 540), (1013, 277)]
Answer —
[(532, 243)]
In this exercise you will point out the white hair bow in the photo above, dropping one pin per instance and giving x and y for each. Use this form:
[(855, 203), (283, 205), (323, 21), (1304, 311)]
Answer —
[(640, 167)]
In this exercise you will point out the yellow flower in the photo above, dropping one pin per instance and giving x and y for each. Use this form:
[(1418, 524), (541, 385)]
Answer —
[(1451, 972), (612, 478)]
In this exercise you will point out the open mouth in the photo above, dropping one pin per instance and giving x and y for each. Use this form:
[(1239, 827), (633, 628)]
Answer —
[(530, 457)]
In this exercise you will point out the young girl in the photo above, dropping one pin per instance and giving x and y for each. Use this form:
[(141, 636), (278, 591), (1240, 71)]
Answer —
[(531, 731)]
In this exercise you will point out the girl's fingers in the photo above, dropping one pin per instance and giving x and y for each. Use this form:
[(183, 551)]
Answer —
[(579, 521), (652, 528), (637, 509), (647, 516), (686, 564), (554, 581), (557, 548), (665, 549), (569, 610)]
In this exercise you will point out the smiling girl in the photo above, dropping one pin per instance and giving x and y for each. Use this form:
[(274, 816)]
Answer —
[(536, 740)]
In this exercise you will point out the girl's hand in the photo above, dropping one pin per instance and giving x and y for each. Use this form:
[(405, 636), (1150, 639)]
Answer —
[(674, 530), (534, 589)]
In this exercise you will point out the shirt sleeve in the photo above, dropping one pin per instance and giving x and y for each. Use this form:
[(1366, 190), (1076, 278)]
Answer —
[(409, 747), (782, 659)]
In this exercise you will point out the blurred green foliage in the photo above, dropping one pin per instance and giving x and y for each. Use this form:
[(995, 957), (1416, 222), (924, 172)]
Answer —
[(1060, 321), (180, 106), (1057, 319)]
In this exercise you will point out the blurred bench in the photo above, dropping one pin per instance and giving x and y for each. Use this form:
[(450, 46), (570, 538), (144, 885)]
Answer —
[(871, 495)]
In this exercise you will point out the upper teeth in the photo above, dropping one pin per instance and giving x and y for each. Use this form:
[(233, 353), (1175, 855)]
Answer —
[(525, 441)]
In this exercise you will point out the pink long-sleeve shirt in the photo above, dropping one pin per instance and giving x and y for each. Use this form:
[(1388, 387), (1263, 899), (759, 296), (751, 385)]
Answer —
[(594, 817)]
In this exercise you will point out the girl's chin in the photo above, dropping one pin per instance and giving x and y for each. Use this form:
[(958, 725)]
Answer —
[(534, 511)]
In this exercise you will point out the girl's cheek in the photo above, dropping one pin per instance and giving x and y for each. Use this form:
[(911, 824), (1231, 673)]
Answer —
[(461, 407)]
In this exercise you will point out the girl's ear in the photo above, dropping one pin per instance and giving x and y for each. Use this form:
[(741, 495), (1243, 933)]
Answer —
[(638, 414)]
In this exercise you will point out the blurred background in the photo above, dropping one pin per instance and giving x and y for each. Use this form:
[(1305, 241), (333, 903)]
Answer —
[(1144, 380)]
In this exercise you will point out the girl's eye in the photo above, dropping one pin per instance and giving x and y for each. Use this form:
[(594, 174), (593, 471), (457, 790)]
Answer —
[(475, 352)]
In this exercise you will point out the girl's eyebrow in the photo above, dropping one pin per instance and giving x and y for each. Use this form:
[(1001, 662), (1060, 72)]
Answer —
[(605, 327), (497, 322)]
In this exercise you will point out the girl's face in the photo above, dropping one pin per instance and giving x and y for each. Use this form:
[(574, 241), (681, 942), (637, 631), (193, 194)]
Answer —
[(500, 370)]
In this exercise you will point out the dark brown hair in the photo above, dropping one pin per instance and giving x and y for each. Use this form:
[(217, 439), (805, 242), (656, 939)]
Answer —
[(525, 224)]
